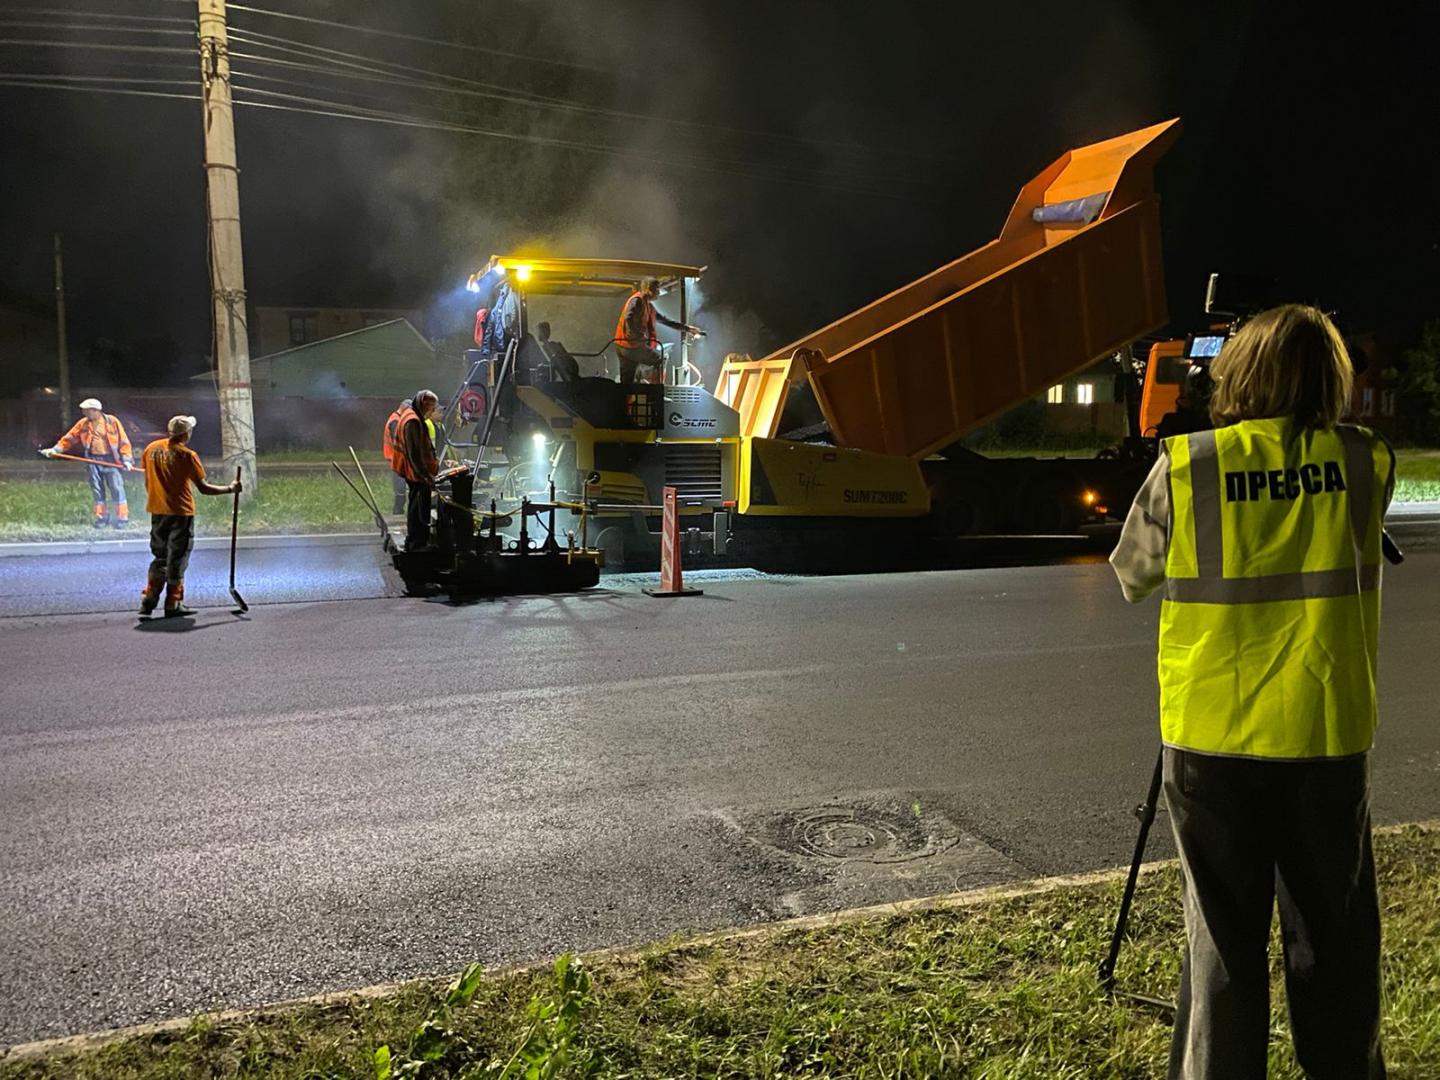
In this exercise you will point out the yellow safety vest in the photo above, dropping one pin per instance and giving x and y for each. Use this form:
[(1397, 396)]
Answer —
[(1268, 627)]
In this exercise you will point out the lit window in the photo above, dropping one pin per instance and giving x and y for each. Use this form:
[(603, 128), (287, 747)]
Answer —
[(1085, 393), (1056, 394), (1367, 401), (1387, 402)]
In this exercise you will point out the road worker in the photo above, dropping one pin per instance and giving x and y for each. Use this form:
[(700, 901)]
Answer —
[(170, 468), (387, 449), (1264, 537), (413, 458), (635, 331), (99, 436)]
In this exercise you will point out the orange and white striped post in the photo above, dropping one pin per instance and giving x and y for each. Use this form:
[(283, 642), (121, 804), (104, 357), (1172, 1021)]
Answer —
[(671, 580)]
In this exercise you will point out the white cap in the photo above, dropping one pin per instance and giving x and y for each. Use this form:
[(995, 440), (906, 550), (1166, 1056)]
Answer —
[(180, 425), (91, 403)]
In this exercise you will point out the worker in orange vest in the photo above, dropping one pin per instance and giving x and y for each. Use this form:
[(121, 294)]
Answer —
[(100, 436), (412, 457), (635, 331), (171, 467)]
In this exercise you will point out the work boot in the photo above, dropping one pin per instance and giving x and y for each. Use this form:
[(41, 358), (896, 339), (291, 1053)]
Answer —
[(122, 517), (150, 595), (175, 600), (101, 517)]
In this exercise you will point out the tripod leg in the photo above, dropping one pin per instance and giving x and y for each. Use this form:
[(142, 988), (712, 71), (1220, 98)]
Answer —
[(1147, 817)]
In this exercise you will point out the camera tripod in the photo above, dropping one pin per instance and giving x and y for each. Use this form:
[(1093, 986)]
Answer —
[(1146, 813)]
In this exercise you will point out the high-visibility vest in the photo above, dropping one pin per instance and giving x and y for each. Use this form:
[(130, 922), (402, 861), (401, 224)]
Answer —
[(1271, 611), (400, 461), (105, 440), (392, 431), (624, 336)]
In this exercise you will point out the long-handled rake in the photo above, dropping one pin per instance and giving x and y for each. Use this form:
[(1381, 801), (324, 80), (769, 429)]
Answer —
[(234, 533)]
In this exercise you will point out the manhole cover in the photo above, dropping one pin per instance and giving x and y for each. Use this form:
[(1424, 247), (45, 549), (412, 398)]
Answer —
[(860, 833)]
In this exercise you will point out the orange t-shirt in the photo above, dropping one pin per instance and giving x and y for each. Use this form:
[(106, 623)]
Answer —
[(170, 468)]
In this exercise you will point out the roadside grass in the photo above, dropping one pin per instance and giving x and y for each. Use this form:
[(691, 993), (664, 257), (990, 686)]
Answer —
[(1000, 989), (1417, 475), (43, 509)]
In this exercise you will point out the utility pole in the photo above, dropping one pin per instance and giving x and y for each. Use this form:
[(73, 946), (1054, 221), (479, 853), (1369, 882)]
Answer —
[(227, 273), (61, 346)]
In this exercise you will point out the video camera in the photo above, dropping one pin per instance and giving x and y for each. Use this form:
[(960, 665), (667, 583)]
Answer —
[(1235, 298)]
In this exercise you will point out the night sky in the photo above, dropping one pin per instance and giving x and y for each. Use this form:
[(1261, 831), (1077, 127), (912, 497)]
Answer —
[(830, 151)]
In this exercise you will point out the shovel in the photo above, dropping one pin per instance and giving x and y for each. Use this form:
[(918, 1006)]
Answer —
[(234, 531)]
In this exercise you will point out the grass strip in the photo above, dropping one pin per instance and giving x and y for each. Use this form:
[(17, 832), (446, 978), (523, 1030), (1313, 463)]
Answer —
[(50, 509), (61, 510), (1005, 988)]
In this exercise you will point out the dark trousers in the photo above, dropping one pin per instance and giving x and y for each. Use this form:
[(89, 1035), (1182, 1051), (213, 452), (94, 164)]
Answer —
[(171, 538), (417, 515), (401, 488), (630, 359), (1251, 833)]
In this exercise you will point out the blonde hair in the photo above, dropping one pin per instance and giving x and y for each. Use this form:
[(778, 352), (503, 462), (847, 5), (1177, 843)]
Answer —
[(1288, 361)]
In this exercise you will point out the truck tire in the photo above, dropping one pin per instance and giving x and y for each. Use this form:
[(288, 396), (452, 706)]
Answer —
[(1049, 505), (965, 515)]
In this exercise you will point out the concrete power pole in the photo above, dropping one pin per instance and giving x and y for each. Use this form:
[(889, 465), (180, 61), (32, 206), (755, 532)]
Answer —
[(67, 407), (227, 273)]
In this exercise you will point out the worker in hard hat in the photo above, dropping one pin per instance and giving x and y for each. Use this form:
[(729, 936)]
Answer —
[(99, 436), (170, 468), (413, 458), (389, 441), (635, 336), (1264, 538)]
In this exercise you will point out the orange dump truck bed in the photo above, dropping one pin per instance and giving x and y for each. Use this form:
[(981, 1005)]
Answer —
[(1074, 275)]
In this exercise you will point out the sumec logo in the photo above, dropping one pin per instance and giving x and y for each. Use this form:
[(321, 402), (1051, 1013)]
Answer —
[(679, 421)]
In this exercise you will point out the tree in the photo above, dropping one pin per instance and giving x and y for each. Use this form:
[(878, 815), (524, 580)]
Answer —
[(1418, 388)]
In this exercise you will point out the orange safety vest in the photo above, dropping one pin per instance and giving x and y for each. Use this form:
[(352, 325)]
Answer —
[(400, 462), (392, 432), (623, 336), (104, 440)]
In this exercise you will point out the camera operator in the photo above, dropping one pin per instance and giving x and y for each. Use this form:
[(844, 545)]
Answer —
[(1265, 536)]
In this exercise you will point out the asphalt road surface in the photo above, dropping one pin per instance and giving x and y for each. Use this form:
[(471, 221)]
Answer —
[(229, 811)]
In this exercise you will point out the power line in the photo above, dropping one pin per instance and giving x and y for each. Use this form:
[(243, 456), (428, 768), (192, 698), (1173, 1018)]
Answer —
[(350, 112), (93, 45), (363, 62), (242, 78), (5, 80), (30, 24), (112, 16), (421, 40), (66, 76)]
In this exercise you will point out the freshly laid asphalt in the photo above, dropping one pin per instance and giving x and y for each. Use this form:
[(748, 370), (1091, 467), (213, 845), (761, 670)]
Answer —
[(232, 810)]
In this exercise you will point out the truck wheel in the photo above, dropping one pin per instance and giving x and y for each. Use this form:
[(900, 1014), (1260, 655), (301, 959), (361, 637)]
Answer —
[(1050, 507), (963, 517)]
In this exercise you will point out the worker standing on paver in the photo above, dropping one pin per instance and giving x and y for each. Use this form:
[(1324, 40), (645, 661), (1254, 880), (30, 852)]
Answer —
[(170, 468), (388, 443), (1265, 535), (635, 336), (414, 459), (100, 436)]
